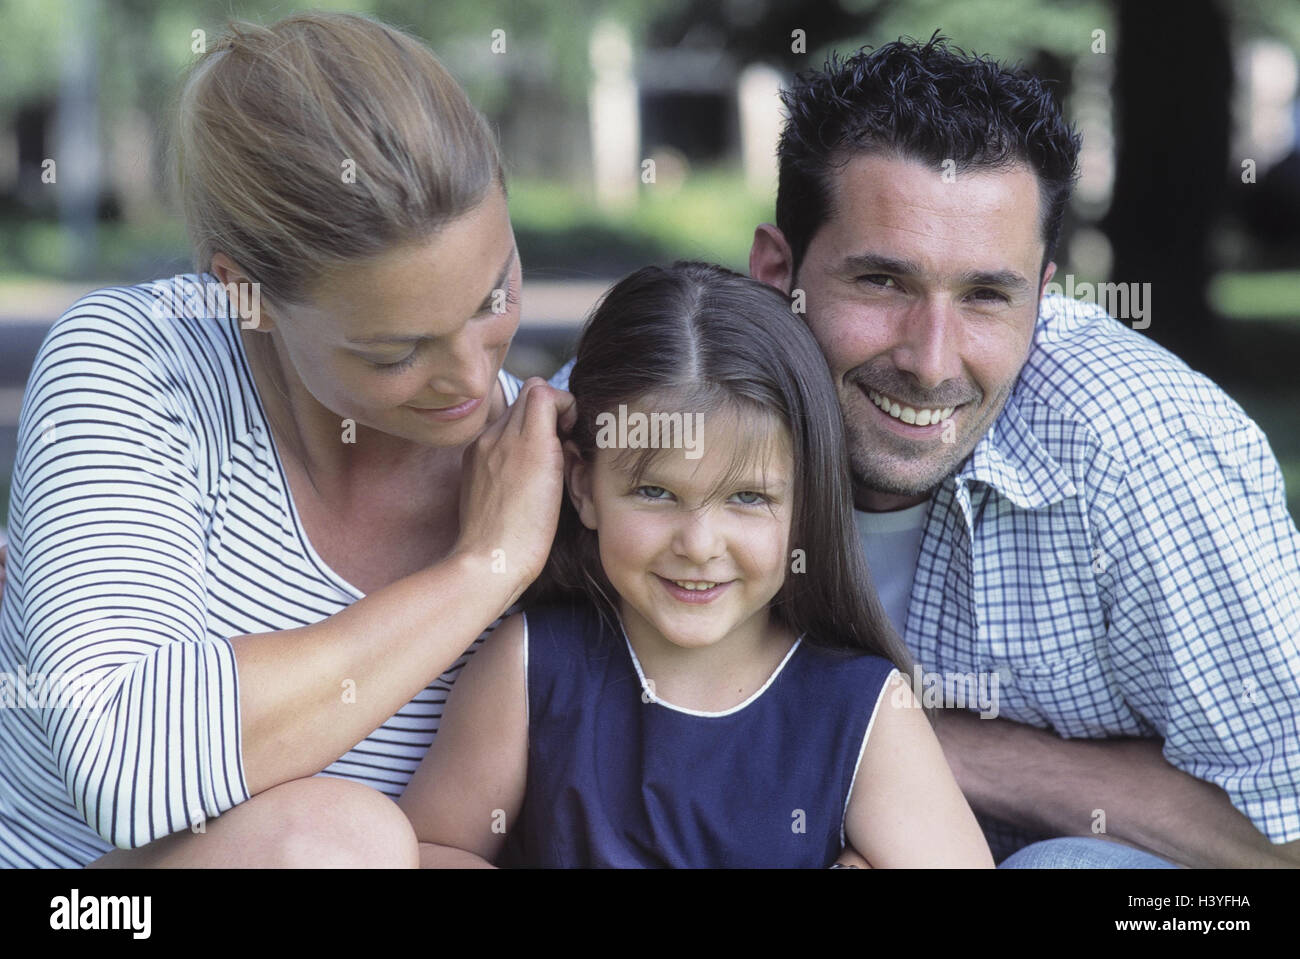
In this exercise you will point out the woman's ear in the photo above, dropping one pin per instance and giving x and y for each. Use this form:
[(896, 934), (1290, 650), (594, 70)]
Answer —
[(577, 473), (244, 294)]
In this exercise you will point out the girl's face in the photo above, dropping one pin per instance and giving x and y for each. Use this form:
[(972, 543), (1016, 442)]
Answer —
[(695, 548), (410, 343)]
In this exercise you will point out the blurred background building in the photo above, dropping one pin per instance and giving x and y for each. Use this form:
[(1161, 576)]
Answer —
[(640, 131)]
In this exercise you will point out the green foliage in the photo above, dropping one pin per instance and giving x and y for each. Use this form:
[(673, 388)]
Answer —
[(710, 216)]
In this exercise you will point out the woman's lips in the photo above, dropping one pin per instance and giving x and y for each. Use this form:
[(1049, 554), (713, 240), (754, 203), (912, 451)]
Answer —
[(459, 411)]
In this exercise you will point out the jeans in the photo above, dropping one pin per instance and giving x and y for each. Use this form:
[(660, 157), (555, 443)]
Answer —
[(1082, 852)]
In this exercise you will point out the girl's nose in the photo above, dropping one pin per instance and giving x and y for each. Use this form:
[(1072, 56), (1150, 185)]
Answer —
[(698, 537)]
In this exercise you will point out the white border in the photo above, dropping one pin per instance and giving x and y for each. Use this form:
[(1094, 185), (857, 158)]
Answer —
[(863, 748), (647, 691)]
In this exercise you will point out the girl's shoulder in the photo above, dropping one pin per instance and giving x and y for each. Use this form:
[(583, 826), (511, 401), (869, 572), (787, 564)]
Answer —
[(852, 674), (567, 624)]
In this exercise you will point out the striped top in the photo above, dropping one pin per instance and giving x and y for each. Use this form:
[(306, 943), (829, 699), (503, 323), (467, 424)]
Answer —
[(151, 522)]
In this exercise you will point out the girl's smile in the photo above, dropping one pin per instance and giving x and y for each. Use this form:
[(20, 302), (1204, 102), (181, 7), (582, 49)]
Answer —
[(694, 591), (695, 548)]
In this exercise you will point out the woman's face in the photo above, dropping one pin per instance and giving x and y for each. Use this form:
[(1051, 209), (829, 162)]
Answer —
[(410, 342)]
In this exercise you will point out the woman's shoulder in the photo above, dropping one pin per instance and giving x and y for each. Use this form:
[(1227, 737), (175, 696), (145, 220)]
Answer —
[(170, 325), (152, 353)]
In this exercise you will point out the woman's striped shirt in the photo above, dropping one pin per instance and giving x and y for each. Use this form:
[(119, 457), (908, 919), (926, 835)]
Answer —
[(151, 522)]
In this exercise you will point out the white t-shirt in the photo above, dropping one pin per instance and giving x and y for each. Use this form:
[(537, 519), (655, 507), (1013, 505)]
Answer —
[(151, 521), (892, 544)]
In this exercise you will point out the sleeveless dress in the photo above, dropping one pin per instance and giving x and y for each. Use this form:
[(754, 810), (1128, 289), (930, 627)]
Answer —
[(619, 778)]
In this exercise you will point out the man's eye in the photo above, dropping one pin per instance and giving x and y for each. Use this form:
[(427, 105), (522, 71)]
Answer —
[(653, 492), (990, 296), (880, 280)]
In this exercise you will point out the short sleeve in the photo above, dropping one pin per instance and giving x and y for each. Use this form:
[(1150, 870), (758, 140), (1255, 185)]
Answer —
[(1205, 622), (109, 533), (561, 378)]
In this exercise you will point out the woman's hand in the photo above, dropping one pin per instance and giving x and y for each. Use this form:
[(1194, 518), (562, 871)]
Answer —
[(512, 481)]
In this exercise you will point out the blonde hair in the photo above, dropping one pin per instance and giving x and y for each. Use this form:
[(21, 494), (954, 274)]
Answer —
[(271, 118)]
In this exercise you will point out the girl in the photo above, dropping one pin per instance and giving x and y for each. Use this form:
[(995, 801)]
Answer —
[(713, 682)]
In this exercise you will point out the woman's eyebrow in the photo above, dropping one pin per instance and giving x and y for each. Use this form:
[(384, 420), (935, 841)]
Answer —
[(417, 338)]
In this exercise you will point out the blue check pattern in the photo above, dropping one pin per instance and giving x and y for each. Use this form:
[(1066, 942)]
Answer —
[(1118, 549)]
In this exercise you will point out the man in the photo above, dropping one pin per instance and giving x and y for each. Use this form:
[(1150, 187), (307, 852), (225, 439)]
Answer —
[(1055, 509)]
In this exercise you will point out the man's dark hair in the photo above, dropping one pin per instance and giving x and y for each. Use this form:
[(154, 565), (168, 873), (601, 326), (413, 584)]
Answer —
[(922, 101)]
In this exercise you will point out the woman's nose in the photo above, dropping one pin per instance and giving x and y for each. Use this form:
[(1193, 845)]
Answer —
[(467, 369)]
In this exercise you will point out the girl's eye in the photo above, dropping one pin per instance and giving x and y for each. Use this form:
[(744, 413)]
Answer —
[(750, 498), (399, 365), (652, 492)]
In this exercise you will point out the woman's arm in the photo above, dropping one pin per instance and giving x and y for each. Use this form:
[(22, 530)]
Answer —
[(178, 726), (392, 643), (906, 809), (469, 789)]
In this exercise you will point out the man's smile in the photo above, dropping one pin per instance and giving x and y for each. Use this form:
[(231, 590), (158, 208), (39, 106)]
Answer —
[(911, 415)]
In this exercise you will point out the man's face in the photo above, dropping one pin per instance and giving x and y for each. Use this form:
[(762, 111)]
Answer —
[(923, 295)]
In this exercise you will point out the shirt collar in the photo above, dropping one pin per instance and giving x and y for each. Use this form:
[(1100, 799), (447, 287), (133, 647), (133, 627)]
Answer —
[(1012, 460)]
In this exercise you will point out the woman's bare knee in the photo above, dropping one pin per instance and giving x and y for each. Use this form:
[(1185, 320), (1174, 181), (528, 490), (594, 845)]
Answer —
[(319, 822), (345, 824)]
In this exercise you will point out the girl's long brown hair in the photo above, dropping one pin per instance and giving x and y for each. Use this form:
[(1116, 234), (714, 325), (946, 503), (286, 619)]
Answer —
[(712, 339)]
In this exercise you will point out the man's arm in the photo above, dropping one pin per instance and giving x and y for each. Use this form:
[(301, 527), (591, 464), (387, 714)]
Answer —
[(1032, 777)]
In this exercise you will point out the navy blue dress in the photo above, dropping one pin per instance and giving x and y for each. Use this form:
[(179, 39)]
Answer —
[(617, 778)]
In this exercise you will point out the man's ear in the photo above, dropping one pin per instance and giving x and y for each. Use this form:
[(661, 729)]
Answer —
[(769, 258), (1047, 278), (577, 473)]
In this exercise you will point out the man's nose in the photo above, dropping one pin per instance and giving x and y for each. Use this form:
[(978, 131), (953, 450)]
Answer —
[(927, 345)]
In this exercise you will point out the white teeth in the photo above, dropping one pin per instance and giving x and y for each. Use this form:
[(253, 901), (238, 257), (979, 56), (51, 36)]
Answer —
[(909, 415), (694, 584)]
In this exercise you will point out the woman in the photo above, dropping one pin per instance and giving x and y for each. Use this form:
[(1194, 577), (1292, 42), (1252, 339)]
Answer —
[(260, 539)]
